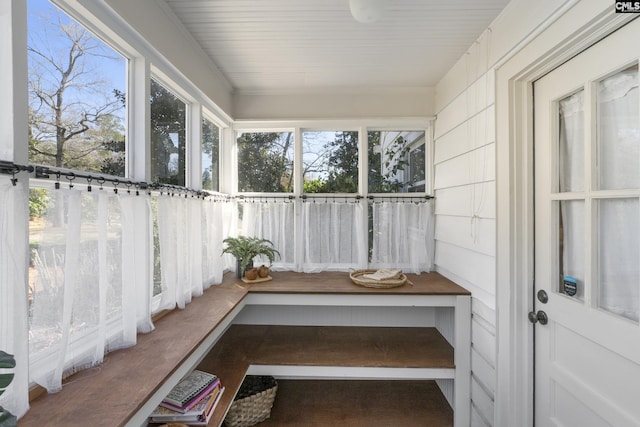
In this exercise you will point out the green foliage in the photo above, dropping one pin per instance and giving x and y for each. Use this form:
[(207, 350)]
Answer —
[(245, 249), (340, 168), (342, 164), (38, 201), (7, 361), (168, 117), (382, 174), (263, 162), (210, 150), (113, 161), (314, 186)]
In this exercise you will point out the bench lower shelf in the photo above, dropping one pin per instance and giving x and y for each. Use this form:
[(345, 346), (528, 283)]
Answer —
[(367, 353), (359, 403)]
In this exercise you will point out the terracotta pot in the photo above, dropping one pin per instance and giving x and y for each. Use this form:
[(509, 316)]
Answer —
[(251, 274), (263, 271)]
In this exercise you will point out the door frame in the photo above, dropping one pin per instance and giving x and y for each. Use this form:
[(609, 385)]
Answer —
[(571, 29)]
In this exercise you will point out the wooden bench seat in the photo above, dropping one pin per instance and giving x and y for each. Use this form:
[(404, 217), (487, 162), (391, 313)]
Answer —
[(128, 385), (109, 395)]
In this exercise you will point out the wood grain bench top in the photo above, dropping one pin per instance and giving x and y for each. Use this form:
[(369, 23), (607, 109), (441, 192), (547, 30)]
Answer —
[(110, 394)]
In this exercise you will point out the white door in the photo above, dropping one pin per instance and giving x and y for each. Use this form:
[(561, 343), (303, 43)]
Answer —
[(587, 237)]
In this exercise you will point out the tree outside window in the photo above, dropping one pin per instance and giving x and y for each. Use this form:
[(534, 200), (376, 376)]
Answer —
[(210, 155), (168, 136), (396, 161), (77, 102), (330, 161), (265, 162)]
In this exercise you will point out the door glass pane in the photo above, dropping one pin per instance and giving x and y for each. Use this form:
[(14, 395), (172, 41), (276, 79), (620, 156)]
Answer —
[(571, 142), (571, 248), (618, 131), (618, 251)]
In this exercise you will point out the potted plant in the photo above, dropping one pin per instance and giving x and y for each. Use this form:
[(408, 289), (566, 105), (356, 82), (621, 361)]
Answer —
[(7, 361), (245, 249)]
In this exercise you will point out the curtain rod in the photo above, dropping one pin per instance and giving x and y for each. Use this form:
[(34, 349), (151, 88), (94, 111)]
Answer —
[(45, 172), (329, 196)]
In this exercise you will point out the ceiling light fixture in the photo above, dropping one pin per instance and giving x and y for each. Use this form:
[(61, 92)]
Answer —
[(367, 11)]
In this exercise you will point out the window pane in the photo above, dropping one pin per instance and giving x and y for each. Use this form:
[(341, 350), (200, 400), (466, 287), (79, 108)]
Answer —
[(396, 161), (210, 155), (571, 248), (265, 162), (168, 136), (77, 101), (571, 142), (618, 254), (330, 162), (618, 131)]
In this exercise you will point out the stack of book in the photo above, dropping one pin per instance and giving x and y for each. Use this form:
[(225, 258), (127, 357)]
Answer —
[(191, 401)]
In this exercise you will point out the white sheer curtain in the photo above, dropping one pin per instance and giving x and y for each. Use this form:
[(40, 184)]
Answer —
[(275, 221), (190, 233), (217, 214), (137, 266), (174, 233), (82, 304), (14, 246), (617, 220), (403, 235), (334, 235)]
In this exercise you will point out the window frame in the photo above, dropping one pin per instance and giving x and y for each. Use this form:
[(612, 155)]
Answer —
[(110, 38), (142, 63), (235, 158), (362, 127), (207, 115), (189, 139)]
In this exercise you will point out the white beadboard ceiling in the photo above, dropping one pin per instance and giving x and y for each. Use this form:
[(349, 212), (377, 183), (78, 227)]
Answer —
[(316, 45)]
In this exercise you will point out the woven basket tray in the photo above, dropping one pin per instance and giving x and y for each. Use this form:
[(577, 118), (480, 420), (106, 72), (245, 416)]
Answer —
[(356, 277), (253, 402)]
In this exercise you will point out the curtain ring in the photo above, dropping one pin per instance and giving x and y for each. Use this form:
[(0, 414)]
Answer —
[(89, 179), (129, 184), (101, 181), (115, 183), (57, 184), (14, 180), (70, 177)]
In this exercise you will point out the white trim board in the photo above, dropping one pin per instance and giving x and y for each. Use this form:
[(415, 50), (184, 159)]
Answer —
[(352, 373)]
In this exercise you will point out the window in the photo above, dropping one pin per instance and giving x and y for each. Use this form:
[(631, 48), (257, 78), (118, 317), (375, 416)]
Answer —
[(210, 155), (168, 136), (265, 162), (396, 161), (77, 95), (330, 161)]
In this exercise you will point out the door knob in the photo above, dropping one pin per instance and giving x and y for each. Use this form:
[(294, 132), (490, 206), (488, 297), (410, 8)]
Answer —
[(542, 296), (539, 316)]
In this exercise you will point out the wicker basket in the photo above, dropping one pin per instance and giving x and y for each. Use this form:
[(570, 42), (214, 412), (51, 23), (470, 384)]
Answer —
[(356, 277), (253, 402)]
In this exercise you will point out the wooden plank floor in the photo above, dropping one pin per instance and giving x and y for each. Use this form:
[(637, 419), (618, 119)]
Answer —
[(351, 403), (244, 345)]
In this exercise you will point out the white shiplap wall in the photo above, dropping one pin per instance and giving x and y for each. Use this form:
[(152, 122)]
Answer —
[(464, 186)]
